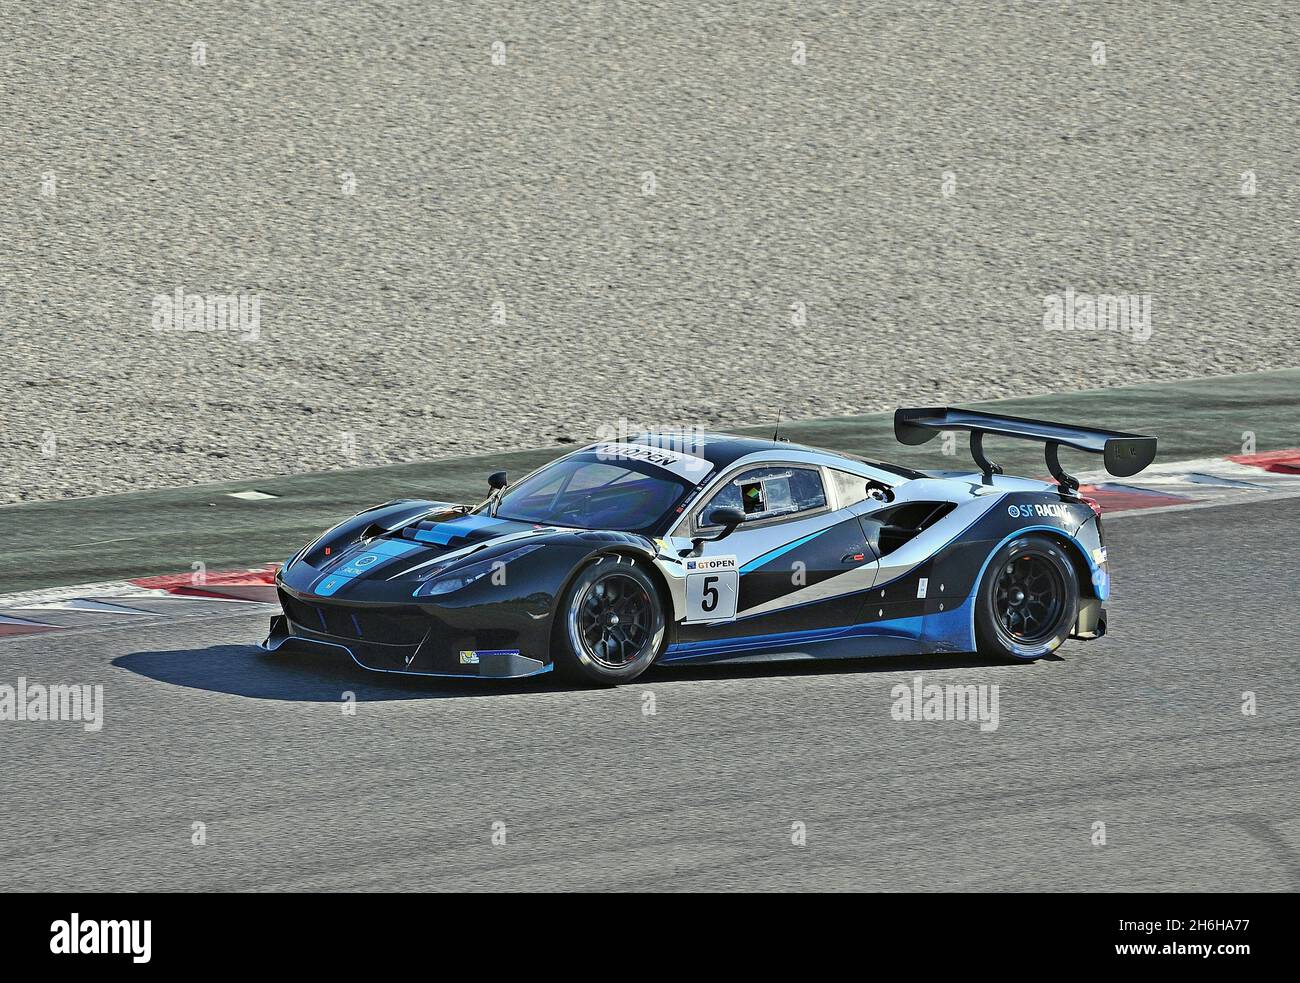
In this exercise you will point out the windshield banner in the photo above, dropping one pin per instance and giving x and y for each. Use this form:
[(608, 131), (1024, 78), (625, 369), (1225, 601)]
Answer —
[(683, 465)]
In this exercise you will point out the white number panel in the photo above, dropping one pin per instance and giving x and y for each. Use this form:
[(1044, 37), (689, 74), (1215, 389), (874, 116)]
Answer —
[(712, 584)]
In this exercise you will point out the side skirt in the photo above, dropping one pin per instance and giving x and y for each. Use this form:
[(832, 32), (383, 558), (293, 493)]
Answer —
[(946, 631)]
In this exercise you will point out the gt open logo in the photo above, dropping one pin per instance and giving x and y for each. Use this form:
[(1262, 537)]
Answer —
[(712, 563)]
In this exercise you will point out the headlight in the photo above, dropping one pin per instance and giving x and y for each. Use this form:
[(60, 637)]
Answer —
[(474, 572)]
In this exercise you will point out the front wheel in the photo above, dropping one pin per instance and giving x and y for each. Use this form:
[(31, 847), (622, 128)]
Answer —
[(610, 625), (1028, 600)]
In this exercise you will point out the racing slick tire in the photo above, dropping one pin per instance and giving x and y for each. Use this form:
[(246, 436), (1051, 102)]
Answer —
[(610, 626), (1028, 601)]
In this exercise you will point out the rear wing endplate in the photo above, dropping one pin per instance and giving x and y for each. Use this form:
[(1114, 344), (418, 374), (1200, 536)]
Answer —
[(1124, 454)]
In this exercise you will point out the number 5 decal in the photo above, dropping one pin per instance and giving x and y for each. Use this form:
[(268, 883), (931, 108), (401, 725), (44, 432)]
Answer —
[(712, 584), (710, 602)]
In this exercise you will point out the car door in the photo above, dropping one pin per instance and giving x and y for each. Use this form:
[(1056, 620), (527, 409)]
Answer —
[(788, 567)]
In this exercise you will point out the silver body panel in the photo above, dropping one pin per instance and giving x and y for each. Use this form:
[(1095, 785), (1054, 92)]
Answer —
[(966, 490)]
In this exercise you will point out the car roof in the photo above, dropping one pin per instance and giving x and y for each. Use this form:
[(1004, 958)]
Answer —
[(719, 449), (723, 449)]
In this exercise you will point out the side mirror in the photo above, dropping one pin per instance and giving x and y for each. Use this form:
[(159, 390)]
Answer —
[(497, 480), (727, 518)]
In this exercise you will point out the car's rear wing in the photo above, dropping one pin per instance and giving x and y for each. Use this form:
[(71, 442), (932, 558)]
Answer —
[(1124, 454)]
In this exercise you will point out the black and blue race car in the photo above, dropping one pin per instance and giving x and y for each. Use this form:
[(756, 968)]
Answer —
[(686, 548)]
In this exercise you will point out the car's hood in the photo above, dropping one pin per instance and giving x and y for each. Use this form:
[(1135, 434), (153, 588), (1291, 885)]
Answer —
[(416, 550)]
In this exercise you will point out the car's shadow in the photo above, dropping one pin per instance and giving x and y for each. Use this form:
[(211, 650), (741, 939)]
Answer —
[(244, 670)]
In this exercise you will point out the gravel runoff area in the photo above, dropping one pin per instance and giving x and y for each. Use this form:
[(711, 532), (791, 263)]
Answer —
[(463, 227)]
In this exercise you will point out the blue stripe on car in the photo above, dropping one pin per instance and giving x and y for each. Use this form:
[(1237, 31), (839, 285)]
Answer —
[(909, 627), (444, 532), (361, 564), (758, 561)]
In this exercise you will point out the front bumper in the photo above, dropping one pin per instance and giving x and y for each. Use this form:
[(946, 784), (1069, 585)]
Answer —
[(409, 640)]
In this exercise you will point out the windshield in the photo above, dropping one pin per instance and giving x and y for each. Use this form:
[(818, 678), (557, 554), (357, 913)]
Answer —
[(589, 493)]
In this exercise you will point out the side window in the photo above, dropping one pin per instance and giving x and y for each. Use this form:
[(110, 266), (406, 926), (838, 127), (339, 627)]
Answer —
[(769, 492), (849, 488)]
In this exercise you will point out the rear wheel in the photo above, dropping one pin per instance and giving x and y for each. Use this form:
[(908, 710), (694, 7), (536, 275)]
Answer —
[(1028, 600), (610, 626)]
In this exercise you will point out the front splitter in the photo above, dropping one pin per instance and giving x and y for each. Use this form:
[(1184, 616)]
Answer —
[(402, 659)]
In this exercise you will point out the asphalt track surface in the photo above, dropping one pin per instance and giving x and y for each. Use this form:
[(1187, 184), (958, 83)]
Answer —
[(1142, 731), (776, 185)]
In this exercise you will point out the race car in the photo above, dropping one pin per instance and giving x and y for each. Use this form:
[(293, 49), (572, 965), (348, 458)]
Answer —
[(681, 548)]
